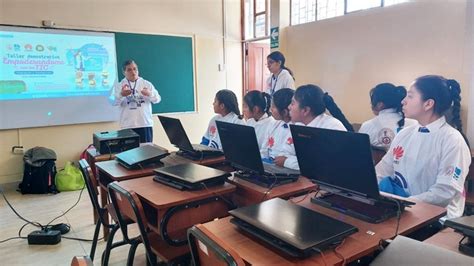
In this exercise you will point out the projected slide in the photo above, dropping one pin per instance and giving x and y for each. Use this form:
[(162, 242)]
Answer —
[(55, 77), (55, 63)]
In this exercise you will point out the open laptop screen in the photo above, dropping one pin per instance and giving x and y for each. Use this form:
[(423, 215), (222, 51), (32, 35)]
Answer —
[(176, 133), (336, 159), (240, 146)]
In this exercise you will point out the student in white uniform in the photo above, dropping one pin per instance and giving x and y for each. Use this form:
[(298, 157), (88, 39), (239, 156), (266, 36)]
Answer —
[(309, 105), (135, 95), (386, 101), (282, 76), (227, 110), (430, 161), (278, 145), (256, 109)]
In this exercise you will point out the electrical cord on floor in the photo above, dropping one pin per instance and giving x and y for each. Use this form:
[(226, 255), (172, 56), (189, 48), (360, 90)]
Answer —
[(64, 213)]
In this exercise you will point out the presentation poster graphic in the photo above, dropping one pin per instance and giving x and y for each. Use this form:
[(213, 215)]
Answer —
[(53, 63)]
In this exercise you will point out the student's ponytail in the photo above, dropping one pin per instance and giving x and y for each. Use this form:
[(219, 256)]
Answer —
[(402, 93), (336, 112), (455, 92), (229, 100), (268, 103), (258, 99)]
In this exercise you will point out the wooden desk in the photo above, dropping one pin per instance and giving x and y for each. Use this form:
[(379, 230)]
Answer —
[(447, 239), (170, 212), (357, 245), (110, 171), (248, 193)]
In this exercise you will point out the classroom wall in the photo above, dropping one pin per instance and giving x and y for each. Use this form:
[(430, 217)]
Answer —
[(349, 55), (202, 18)]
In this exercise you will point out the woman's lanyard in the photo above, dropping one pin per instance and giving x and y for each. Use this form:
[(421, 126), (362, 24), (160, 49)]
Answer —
[(134, 86), (275, 83)]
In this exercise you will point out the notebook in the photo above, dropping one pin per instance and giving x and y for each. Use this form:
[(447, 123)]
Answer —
[(190, 176), (178, 137), (291, 228), (141, 157), (341, 163), (241, 149)]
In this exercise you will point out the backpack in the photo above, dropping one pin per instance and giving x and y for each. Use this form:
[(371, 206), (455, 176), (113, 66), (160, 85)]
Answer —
[(39, 172)]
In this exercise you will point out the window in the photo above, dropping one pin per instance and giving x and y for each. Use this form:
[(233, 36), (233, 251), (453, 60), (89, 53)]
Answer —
[(256, 19), (303, 11)]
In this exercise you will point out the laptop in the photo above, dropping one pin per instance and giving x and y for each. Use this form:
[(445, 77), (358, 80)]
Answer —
[(178, 137), (141, 157), (406, 251), (241, 149), (291, 228), (465, 226), (190, 176), (341, 163)]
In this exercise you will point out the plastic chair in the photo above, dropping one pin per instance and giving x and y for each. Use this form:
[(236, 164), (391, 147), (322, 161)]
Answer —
[(206, 249)]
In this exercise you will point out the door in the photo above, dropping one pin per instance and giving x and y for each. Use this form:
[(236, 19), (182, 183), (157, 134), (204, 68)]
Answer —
[(256, 71)]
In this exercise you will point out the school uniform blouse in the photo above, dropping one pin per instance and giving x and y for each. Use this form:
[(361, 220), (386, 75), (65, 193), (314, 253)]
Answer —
[(383, 128), (278, 142), (430, 163), (283, 80), (261, 127), (326, 121), (211, 136)]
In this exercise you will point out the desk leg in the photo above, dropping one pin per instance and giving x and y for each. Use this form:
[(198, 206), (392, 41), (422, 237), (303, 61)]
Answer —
[(103, 202)]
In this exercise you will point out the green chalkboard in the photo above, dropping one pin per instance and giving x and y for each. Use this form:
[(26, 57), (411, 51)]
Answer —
[(165, 61)]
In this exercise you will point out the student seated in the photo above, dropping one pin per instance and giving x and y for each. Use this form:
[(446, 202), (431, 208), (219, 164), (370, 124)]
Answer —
[(278, 146), (256, 109), (429, 162), (386, 101), (309, 105), (227, 110)]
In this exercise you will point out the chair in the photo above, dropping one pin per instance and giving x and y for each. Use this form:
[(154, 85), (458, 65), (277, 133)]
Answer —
[(206, 249), (127, 204), (81, 261), (91, 184)]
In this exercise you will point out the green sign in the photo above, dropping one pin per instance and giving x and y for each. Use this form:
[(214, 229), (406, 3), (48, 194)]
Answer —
[(274, 37)]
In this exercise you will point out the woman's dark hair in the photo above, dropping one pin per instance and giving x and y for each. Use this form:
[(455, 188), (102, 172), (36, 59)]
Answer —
[(282, 99), (262, 100), (391, 96), (279, 57), (313, 97), (127, 63), (229, 100), (446, 94)]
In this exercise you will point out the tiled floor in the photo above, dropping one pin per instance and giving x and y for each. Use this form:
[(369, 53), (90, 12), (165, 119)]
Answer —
[(43, 208)]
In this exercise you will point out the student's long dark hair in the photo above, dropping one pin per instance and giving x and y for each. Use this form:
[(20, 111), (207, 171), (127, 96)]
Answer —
[(282, 99), (279, 57), (391, 96), (313, 97), (229, 100), (446, 94), (262, 100)]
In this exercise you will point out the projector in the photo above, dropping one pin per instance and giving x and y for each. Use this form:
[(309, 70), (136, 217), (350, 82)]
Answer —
[(109, 142)]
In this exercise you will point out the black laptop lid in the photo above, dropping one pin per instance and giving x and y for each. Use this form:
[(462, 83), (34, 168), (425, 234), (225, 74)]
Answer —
[(176, 133), (294, 224), (336, 159), (191, 172), (140, 154), (240, 146)]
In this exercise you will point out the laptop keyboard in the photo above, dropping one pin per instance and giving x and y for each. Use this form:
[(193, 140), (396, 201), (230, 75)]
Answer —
[(200, 147), (272, 169)]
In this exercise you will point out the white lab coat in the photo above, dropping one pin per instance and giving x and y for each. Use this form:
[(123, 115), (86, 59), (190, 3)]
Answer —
[(430, 166), (212, 134), (383, 128), (135, 109), (262, 126), (279, 142), (283, 80)]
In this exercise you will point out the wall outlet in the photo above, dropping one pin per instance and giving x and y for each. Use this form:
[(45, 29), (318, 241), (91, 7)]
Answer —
[(18, 150)]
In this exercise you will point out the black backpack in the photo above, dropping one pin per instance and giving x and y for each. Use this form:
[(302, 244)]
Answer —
[(40, 171)]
